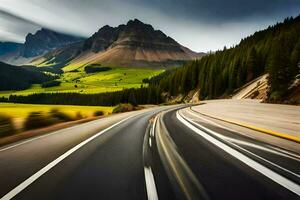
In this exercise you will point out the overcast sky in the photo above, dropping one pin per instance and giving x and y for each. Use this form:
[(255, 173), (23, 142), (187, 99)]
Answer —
[(201, 25)]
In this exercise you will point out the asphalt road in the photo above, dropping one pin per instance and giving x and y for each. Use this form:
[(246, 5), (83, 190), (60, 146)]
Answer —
[(159, 153)]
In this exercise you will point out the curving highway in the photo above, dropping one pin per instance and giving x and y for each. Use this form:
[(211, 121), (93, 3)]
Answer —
[(169, 152)]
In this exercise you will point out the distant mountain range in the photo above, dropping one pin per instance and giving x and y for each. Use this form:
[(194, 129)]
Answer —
[(133, 44), (44, 41), (35, 45)]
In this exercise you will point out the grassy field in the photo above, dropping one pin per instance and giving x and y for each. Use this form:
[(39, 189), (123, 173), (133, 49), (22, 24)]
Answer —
[(19, 112), (112, 80), (22, 110)]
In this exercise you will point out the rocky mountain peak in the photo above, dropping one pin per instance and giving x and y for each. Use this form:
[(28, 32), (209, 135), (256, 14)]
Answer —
[(136, 23), (45, 40), (133, 34), (132, 44)]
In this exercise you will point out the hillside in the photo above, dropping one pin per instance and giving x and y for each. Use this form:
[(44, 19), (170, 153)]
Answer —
[(256, 89), (35, 45), (54, 60), (133, 44), (17, 78), (45, 40), (275, 50)]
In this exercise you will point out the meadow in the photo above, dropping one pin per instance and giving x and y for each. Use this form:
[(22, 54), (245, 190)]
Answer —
[(22, 110), (80, 82), (19, 112)]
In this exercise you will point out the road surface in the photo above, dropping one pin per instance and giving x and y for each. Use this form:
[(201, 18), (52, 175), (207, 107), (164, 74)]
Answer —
[(160, 153)]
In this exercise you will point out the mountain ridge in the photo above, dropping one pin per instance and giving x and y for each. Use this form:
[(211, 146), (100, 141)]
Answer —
[(36, 44), (45, 40), (131, 44)]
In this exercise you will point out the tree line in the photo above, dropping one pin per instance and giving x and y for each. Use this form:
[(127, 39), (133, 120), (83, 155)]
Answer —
[(275, 50), (20, 77), (134, 96)]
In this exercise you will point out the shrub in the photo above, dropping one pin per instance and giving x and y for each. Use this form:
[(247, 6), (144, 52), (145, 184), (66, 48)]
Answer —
[(3, 99), (74, 70), (38, 120), (99, 113), (6, 126), (55, 113), (95, 68), (123, 108), (79, 115), (51, 84)]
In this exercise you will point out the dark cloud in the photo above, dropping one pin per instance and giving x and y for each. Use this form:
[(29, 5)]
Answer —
[(14, 28), (223, 10), (201, 25)]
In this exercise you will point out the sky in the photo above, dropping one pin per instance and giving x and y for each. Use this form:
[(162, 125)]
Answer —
[(201, 25)]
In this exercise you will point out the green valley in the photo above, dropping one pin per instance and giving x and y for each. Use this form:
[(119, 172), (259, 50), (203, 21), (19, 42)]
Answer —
[(79, 81)]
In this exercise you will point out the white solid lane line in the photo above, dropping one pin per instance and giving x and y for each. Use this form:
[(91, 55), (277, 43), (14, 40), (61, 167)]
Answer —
[(286, 183), (42, 171), (149, 177), (234, 142), (150, 184), (269, 149)]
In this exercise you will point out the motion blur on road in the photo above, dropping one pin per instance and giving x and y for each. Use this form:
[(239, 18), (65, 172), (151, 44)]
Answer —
[(229, 149)]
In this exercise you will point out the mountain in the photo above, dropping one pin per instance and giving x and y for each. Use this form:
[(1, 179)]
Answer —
[(45, 40), (18, 78), (36, 45), (9, 47), (133, 44), (58, 58)]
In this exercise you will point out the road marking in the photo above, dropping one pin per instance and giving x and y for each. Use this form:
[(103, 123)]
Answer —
[(149, 177), (175, 163), (42, 171), (288, 184), (179, 177), (234, 141), (150, 184), (150, 142), (270, 149), (286, 152), (262, 130)]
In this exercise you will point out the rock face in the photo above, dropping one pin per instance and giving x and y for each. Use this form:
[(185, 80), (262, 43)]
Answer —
[(133, 35), (101, 40), (44, 41), (133, 44), (139, 35)]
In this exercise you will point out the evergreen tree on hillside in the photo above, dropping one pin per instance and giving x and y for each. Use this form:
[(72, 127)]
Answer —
[(274, 50), (295, 57), (281, 70), (132, 99), (251, 64)]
